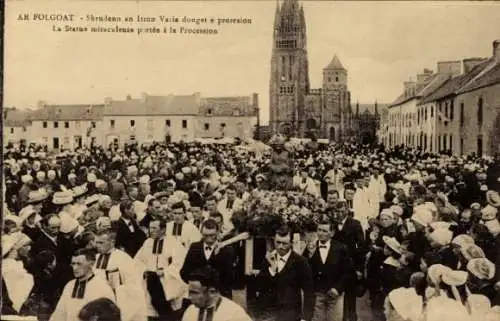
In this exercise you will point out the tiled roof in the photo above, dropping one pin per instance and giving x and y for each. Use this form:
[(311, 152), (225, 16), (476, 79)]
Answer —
[(454, 84), (153, 106), (335, 64), (490, 75), (13, 117), (68, 112), (227, 106)]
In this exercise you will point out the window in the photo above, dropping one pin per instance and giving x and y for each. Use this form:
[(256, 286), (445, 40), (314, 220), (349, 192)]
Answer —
[(329, 79), (167, 122), (480, 145), (462, 114), (439, 143), (184, 123), (223, 125), (112, 123), (446, 110), (93, 124), (451, 110), (480, 112), (461, 146), (56, 125), (132, 137), (206, 126), (336, 79), (451, 142), (132, 123), (432, 111), (44, 124), (209, 111), (66, 124), (12, 130), (56, 142), (445, 137)]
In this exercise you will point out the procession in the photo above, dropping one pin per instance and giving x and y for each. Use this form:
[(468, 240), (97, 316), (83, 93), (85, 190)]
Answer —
[(146, 177), (171, 231)]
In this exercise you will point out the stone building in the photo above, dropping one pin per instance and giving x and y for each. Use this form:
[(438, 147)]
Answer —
[(367, 121), (296, 109), (145, 119), (457, 112)]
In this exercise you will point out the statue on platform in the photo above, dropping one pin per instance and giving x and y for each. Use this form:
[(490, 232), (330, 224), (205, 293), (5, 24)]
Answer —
[(280, 168)]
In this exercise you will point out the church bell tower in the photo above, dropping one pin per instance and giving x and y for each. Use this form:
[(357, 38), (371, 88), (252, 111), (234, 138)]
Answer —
[(289, 83)]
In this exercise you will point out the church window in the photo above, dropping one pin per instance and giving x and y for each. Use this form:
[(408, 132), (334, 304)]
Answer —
[(209, 112), (336, 79), (207, 126)]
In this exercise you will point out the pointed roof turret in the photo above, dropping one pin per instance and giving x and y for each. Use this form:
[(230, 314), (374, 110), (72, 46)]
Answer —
[(277, 14), (302, 17), (335, 64), (357, 108), (376, 108)]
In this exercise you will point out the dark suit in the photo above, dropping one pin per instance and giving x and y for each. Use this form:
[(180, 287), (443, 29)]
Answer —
[(352, 236), (336, 272), (280, 295), (222, 262), (131, 242), (63, 252), (117, 190)]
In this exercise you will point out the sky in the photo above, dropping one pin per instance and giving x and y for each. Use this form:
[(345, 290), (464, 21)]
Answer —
[(381, 44)]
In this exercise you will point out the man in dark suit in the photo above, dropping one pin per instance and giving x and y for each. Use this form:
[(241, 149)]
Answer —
[(333, 271), (117, 189), (51, 239), (129, 235), (350, 233), (207, 252), (283, 276)]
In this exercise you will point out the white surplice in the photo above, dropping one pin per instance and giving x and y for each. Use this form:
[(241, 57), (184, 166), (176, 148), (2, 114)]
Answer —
[(189, 235), (68, 307), (170, 260), (126, 275)]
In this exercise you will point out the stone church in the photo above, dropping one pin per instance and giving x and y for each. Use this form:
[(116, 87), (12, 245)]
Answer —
[(295, 108)]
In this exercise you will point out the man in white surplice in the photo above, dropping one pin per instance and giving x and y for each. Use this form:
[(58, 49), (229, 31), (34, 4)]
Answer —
[(227, 206), (207, 302), (164, 256), (181, 229), (123, 275), (85, 288), (362, 202)]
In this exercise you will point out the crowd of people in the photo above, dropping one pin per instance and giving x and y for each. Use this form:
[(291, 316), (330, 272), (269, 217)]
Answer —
[(147, 233)]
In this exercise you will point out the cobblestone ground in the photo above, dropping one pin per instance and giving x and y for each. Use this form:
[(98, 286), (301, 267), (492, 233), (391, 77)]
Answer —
[(363, 305)]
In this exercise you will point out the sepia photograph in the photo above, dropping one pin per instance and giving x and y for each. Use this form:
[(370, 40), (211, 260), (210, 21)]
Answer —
[(250, 160)]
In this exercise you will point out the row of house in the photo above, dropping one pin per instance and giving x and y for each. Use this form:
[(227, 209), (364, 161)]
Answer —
[(145, 119), (456, 109)]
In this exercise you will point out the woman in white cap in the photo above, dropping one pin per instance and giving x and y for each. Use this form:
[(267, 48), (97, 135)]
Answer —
[(403, 304), (481, 277), (18, 281), (395, 272)]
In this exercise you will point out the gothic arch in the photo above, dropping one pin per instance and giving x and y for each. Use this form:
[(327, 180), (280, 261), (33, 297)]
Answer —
[(332, 133)]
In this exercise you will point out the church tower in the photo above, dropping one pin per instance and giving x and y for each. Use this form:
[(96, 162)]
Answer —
[(289, 83), (336, 113)]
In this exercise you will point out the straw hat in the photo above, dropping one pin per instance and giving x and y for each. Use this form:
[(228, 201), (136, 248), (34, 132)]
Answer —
[(79, 191), (62, 198), (493, 198), (441, 236), (407, 303), (462, 240), (472, 251), (436, 271), (37, 196), (489, 213)]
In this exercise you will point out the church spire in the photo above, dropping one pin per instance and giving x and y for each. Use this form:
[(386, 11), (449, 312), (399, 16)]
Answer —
[(357, 108), (376, 108), (277, 15)]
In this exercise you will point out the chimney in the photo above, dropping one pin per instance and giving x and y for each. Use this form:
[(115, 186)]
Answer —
[(470, 63), (496, 49), (409, 88), (255, 100), (128, 97), (453, 68), (424, 76), (108, 100), (144, 97)]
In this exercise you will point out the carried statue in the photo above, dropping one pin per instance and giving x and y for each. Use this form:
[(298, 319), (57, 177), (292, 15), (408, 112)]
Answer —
[(280, 167)]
